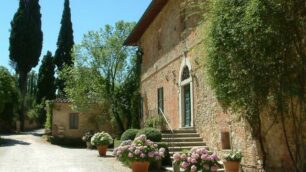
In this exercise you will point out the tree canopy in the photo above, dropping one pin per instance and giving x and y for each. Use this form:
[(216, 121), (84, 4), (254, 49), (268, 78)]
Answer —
[(25, 45), (63, 53), (46, 79), (102, 66), (8, 98)]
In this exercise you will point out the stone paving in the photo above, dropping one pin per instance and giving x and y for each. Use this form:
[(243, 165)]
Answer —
[(28, 152)]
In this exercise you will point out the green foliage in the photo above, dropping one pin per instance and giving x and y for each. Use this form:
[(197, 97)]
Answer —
[(152, 134), (256, 59), (48, 123), (234, 155), (129, 134), (25, 45), (8, 99), (69, 142), (63, 53), (46, 79), (102, 67), (101, 138), (156, 121)]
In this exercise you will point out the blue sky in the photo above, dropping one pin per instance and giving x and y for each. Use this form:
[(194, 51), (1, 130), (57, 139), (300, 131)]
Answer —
[(86, 15)]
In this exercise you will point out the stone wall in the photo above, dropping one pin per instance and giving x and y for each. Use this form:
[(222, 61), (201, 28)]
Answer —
[(172, 40), (87, 121)]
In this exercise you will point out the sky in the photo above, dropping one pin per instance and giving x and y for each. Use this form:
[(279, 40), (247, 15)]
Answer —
[(87, 15)]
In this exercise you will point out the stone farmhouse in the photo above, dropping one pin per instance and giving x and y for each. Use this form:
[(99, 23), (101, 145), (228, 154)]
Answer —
[(173, 82)]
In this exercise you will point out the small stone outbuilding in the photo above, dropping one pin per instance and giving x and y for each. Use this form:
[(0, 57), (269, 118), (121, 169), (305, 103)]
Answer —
[(69, 123)]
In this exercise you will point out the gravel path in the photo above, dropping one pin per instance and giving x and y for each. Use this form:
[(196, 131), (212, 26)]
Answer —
[(28, 152)]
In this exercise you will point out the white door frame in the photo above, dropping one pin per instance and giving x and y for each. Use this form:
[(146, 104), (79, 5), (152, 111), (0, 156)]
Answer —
[(185, 63)]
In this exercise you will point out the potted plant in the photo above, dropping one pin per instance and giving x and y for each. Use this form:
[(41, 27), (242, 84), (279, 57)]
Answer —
[(232, 161), (87, 138), (197, 159), (139, 153), (101, 141)]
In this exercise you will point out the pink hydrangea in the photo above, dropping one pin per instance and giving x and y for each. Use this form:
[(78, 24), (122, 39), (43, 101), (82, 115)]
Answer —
[(194, 168), (176, 157), (185, 165), (130, 155)]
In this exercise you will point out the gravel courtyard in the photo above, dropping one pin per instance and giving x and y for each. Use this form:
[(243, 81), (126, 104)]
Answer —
[(28, 152)]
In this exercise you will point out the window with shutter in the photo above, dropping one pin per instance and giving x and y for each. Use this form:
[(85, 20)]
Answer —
[(160, 100), (74, 121)]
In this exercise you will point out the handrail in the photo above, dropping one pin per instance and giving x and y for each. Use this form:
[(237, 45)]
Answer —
[(166, 120)]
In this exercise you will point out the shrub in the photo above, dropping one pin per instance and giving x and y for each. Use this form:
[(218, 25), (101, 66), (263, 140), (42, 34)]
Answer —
[(48, 123), (140, 149), (65, 141), (152, 134), (102, 138), (129, 134)]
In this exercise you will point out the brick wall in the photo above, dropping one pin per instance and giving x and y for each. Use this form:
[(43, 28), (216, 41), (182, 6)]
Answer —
[(168, 43)]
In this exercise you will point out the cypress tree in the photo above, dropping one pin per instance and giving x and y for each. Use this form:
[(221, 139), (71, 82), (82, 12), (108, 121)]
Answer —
[(25, 45), (64, 44), (46, 80)]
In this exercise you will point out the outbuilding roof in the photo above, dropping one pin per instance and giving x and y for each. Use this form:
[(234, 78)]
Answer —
[(147, 18)]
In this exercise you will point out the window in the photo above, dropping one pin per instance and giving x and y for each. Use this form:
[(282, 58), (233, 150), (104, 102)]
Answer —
[(74, 121), (185, 74), (160, 100)]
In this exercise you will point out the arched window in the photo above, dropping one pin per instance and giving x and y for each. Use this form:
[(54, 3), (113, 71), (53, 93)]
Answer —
[(185, 74)]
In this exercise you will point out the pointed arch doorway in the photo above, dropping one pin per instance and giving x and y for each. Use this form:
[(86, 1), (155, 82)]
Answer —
[(186, 96)]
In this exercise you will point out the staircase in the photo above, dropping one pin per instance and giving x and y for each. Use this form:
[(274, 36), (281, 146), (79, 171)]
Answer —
[(182, 139)]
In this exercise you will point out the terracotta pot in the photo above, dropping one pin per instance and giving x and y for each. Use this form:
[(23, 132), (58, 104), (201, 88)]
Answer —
[(102, 149), (231, 166), (140, 166)]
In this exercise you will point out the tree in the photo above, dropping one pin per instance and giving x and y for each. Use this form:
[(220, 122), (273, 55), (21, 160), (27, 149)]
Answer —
[(102, 66), (64, 44), (25, 45), (256, 62), (8, 99), (46, 79)]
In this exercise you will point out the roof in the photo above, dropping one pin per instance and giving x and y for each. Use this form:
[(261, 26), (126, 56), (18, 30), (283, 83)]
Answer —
[(60, 100), (145, 21)]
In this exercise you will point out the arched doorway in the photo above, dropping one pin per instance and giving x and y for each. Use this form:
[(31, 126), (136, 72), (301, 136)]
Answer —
[(186, 95)]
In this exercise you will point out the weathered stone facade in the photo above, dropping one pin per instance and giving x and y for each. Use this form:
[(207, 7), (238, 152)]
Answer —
[(86, 121), (174, 40)]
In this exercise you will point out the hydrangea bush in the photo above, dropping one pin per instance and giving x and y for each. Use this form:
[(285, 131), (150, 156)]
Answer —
[(101, 138), (198, 159), (141, 149)]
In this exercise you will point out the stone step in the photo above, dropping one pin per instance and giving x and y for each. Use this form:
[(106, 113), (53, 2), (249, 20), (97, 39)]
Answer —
[(170, 169), (192, 144), (180, 135), (182, 139), (181, 148), (181, 131)]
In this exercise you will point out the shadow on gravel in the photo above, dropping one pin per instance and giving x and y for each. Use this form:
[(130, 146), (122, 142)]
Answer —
[(12, 142)]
